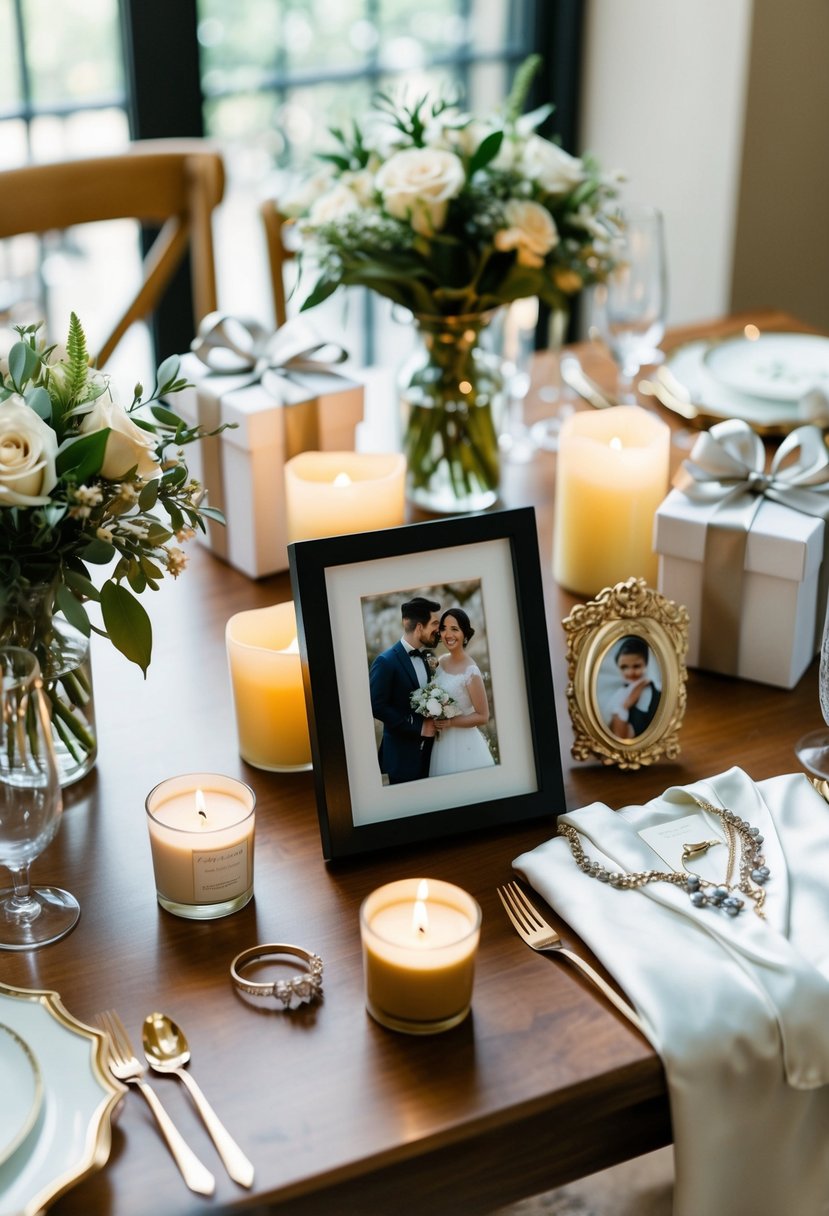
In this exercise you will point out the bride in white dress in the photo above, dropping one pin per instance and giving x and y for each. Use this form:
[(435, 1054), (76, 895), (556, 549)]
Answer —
[(459, 746)]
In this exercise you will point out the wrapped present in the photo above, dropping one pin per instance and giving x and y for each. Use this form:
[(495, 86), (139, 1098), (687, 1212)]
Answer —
[(746, 552), (283, 393)]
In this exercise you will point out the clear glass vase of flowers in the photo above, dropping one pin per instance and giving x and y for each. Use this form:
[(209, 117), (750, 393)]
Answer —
[(95, 498), (452, 217)]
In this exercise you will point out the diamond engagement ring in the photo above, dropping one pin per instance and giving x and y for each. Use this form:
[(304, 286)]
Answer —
[(299, 988)]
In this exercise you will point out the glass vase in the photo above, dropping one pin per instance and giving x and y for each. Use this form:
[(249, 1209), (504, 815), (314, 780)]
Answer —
[(29, 619), (452, 397)]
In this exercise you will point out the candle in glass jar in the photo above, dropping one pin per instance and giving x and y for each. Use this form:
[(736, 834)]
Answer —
[(266, 676), (611, 476), (420, 940), (332, 493), (201, 829)]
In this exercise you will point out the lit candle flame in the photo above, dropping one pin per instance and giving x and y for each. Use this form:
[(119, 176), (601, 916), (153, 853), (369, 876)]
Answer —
[(751, 332), (342, 479), (420, 917), (201, 810), (616, 443)]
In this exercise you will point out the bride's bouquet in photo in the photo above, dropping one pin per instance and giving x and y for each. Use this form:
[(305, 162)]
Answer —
[(432, 701)]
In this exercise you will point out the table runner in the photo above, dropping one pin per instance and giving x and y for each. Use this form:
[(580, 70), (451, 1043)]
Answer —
[(737, 1008)]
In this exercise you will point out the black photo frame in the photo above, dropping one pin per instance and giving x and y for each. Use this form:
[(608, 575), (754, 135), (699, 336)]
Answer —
[(332, 579)]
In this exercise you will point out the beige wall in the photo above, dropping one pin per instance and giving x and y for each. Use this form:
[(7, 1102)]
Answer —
[(664, 99), (782, 238)]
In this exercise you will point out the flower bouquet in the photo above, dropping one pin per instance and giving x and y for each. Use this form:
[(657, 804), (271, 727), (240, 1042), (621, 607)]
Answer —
[(452, 217), (433, 701), (86, 483)]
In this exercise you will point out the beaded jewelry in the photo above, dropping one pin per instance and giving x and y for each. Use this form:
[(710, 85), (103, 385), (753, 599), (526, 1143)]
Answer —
[(753, 876)]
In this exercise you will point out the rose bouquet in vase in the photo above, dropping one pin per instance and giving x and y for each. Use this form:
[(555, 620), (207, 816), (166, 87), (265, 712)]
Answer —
[(453, 217), (86, 483)]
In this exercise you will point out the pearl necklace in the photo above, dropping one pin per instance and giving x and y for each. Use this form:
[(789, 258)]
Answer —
[(754, 873)]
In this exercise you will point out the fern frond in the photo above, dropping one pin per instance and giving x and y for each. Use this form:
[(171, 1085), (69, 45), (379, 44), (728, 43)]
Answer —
[(77, 361)]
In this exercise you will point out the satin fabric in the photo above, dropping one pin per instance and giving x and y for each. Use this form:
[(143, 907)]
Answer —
[(737, 1008)]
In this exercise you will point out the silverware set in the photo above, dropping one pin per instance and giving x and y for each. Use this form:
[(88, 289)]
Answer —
[(540, 935), (166, 1051)]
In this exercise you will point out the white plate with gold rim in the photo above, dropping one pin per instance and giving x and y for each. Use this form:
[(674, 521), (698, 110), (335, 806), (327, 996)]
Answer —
[(21, 1085), (715, 400), (71, 1135), (778, 367)]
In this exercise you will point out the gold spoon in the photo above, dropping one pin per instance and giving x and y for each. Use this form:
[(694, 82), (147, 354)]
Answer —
[(167, 1049)]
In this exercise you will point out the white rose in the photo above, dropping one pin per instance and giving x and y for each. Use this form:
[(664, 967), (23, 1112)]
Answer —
[(127, 445), (333, 206), (361, 184), (433, 708), (530, 231), (450, 711), (300, 196), (554, 169), (28, 448), (418, 183)]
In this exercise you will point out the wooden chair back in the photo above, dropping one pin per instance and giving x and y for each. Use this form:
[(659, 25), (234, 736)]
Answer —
[(172, 185), (278, 254)]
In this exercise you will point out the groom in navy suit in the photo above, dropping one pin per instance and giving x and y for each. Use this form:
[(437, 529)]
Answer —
[(407, 736)]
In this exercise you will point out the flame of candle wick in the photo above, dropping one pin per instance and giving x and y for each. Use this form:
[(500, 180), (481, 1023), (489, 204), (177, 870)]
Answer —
[(200, 806), (420, 917), (616, 443), (342, 479)]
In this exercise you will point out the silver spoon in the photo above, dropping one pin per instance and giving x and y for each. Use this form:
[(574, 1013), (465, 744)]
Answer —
[(167, 1050)]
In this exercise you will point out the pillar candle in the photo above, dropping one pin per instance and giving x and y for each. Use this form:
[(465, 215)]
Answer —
[(266, 676), (420, 939), (611, 476), (201, 836), (332, 493)]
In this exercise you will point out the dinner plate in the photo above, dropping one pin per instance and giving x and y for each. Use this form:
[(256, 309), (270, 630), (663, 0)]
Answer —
[(22, 1088), (779, 367), (715, 400), (71, 1134)]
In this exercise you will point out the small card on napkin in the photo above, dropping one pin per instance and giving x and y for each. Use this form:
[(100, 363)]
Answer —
[(668, 840)]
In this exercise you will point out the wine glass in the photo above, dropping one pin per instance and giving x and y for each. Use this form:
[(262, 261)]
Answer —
[(30, 807), (628, 311), (812, 749)]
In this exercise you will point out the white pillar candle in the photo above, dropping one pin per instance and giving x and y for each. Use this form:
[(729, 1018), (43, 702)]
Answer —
[(420, 939), (266, 677), (201, 838), (611, 475), (332, 493)]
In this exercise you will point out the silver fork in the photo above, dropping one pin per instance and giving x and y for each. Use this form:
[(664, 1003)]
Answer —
[(124, 1065), (541, 935)]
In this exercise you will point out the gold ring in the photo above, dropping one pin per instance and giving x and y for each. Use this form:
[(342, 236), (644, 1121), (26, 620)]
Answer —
[(307, 987)]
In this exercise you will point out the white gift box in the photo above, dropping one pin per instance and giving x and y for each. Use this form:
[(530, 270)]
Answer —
[(242, 469), (779, 605)]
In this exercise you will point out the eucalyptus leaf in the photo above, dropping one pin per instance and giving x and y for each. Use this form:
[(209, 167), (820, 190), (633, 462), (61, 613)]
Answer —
[(127, 624), (40, 402), (23, 362)]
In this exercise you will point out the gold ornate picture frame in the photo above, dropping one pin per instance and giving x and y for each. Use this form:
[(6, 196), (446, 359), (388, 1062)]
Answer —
[(630, 637)]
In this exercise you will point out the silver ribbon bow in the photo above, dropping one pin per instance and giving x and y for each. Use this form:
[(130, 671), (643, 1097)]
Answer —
[(240, 346), (727, 467)]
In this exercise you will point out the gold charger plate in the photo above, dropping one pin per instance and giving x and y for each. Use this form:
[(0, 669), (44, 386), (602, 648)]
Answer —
[(71, 1136)]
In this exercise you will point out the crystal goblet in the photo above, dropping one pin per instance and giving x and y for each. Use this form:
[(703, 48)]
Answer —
[(30, 807)]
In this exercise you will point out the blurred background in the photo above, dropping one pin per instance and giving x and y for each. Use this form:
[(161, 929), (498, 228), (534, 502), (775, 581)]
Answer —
[(710, 109)]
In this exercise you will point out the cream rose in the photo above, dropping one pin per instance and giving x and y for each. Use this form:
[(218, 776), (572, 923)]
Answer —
[(554, 169), (28, 448), (333, 206), (417, 184), (127, 445), (530, 231)]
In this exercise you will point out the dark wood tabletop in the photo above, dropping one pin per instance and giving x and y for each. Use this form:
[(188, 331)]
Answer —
[(544, 1082)]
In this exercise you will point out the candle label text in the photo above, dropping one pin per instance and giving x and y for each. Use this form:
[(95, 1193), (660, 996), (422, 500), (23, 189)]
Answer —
[(222, 873)]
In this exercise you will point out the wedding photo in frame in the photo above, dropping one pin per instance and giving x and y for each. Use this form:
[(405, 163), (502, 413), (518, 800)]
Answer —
[(466, 594)]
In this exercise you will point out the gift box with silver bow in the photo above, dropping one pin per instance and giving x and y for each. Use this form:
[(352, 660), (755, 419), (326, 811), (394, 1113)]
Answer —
[(285, 393), (743, 549)]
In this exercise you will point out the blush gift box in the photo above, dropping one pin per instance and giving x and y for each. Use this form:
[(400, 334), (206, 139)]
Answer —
[(743, 550), (283, 393)]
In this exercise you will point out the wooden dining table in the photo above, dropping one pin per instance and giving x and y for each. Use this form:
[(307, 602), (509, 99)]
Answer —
[(544, 1082)]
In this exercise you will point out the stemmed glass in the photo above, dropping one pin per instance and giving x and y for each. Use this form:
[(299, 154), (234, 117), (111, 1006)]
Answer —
[(629, 310), (812, 750), (30, 807)]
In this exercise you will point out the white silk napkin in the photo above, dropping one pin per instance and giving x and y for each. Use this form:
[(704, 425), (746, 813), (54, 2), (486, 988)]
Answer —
[(738, 1008)]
